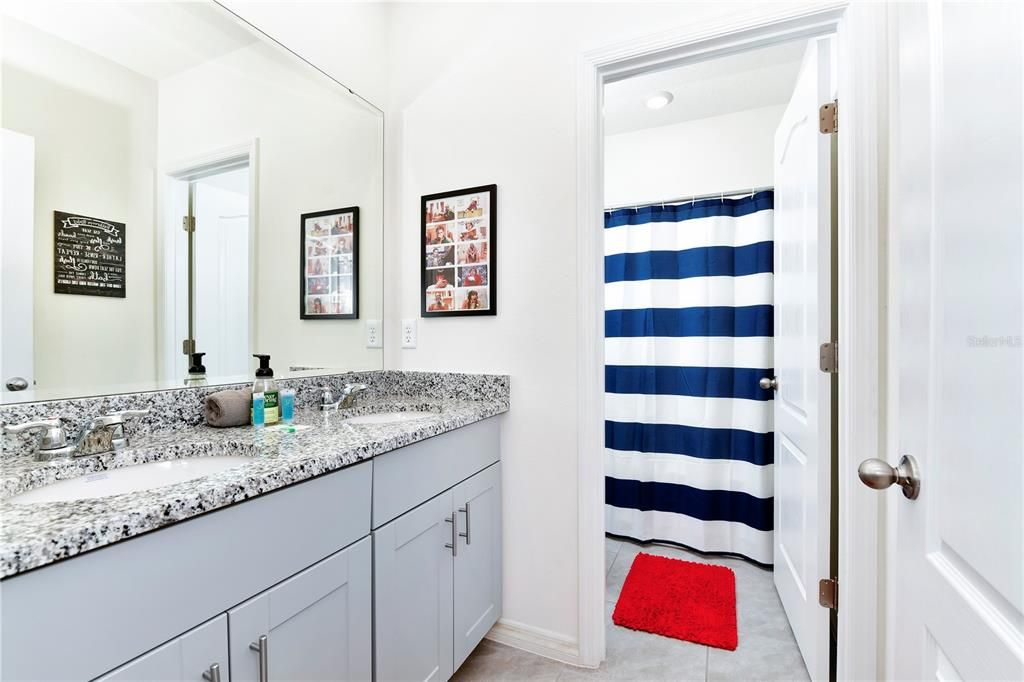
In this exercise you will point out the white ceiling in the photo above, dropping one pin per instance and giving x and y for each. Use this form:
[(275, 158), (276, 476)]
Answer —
[(156, 39), (748, 80)]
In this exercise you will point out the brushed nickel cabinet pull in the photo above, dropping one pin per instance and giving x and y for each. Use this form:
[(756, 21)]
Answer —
[(213, 674), (260, 647), (454, 544), (467, 534)]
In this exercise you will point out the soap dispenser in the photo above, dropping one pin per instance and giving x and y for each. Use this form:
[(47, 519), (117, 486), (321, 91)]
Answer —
[(196, 370), (265, 384)]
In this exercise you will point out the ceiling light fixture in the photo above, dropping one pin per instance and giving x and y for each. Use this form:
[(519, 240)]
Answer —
[(659, 100)]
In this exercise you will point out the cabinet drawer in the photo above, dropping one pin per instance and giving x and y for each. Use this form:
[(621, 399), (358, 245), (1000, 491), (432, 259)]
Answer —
[(412, 475)]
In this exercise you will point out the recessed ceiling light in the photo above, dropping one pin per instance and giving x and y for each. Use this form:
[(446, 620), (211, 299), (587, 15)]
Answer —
[(659, 100)]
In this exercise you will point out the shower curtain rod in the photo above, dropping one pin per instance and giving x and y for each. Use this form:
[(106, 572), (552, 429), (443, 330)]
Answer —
[(694, 197)]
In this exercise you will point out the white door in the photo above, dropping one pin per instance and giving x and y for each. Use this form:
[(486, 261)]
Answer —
[(957, 577), (222, 245), (16, 266), (478, 563), (222, 272), (802, 324)]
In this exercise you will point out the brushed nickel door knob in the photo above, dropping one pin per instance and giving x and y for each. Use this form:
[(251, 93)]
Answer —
[(17, 384), (879, 474), (769, 383)]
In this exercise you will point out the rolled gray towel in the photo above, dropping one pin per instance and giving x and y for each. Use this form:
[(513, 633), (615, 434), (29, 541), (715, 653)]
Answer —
[(228, 408)]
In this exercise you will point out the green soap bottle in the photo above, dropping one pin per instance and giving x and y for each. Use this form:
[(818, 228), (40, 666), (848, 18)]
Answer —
[(265, 384)]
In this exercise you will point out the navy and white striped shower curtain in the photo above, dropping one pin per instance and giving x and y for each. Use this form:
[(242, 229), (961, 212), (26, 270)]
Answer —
[(688, 327)]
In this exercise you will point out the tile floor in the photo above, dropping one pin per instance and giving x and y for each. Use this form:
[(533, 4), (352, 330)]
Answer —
[(766, 651)]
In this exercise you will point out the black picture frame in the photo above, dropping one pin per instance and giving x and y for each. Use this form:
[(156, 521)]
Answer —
[(89, 257), (434, 261), (333, 295)]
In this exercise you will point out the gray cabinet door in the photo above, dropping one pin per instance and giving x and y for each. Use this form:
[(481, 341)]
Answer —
[(478, 563), (183, 658), (317, 623), (413, 594)]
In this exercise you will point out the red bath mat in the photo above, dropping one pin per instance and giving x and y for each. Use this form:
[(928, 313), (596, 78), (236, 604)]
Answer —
[(680, 599)]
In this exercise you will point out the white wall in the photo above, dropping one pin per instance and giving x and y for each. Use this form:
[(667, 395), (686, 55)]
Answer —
[(94, 124), (485, 93), (702, 156), (477, 93), (345, 38), (319, 149)]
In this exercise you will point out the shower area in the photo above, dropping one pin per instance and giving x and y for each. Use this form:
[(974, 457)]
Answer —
[(688, 326), (712, 178)]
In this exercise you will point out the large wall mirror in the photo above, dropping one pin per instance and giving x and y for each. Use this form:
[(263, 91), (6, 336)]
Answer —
[(175, 180)]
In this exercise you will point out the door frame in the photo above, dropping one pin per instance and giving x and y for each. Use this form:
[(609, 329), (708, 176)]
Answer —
[(180, 170), (862, 35)]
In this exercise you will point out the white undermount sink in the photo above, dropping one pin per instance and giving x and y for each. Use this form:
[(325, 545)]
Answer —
[(129, 479), (388, 417)]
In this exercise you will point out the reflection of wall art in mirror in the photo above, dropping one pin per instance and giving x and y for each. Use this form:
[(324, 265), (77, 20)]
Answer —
[(457, 234), (88, 256), (329, 265)]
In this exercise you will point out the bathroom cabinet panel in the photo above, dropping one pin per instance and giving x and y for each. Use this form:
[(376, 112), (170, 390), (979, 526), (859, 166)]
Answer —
[(113, 604), (478, 564), (434, 603), (413, 594), (411, 475), (184, 658), (318, 624)]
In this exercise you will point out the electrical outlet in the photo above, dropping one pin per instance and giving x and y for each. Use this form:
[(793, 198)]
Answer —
[(409, 333), (373, 334)]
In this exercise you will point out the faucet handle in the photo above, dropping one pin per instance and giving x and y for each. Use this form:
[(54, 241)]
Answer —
[(351, 389), (53, 436), (119, 437), (115, 418)]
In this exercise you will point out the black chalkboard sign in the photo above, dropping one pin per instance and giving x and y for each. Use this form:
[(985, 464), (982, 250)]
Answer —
[(88, 256)]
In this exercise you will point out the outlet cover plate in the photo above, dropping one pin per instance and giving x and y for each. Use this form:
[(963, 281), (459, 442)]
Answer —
[(373, 334), (409, 333)]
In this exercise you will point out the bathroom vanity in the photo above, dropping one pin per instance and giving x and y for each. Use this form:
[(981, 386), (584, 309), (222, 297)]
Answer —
[(365, 546)]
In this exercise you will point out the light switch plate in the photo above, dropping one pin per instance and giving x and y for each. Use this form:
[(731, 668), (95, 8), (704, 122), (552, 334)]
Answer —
[(409, 333), (373, 334)]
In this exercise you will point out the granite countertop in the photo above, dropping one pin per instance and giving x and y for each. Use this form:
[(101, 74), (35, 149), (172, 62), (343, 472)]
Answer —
[(37, 534)]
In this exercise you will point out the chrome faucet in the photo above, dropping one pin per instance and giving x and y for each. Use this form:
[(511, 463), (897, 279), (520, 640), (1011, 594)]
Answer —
[(105, 433), (346, 398), (100, 435)]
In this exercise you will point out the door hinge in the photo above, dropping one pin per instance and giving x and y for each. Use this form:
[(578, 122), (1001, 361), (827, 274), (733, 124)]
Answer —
[(188, 223), (188, 346), (828, 593), (828, 118), (828, 357)]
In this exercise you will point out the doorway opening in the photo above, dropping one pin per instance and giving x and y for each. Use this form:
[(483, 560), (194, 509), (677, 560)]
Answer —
[(719, 433), (208, 250)]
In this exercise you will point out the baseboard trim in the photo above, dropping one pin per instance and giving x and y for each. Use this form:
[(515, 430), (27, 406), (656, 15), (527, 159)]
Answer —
[(537, 641)]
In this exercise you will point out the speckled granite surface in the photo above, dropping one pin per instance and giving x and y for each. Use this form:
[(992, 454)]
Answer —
[(179, 407), (33, 535)]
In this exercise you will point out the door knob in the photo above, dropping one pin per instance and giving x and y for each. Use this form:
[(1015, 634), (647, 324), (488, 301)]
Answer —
[(879, 474), (17, 384), (769, 383)]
